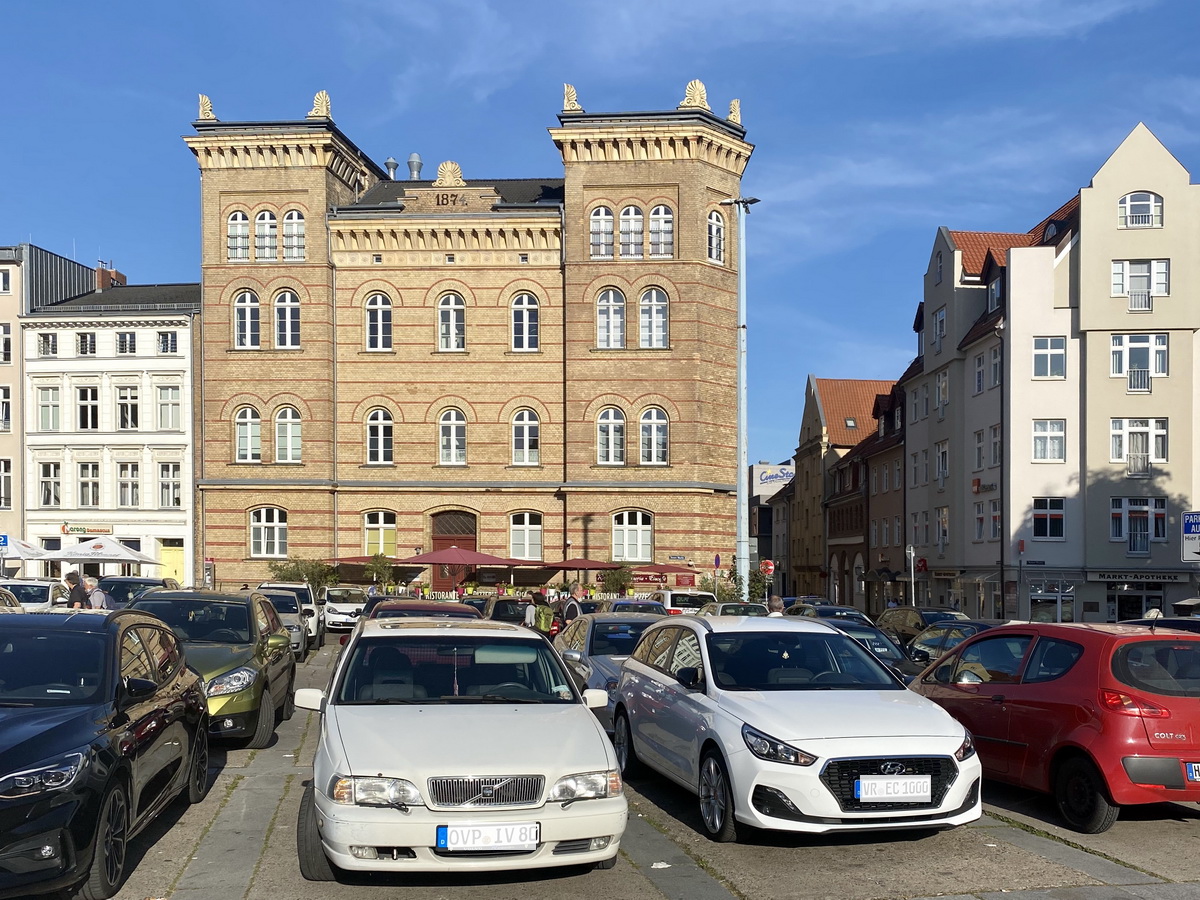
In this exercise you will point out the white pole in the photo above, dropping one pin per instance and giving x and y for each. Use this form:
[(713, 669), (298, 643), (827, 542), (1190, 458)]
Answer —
[(742, 498)]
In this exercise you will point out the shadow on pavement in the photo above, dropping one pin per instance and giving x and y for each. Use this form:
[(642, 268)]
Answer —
[(1035, 805)]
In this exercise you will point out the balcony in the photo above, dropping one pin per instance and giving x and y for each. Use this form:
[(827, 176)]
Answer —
[(1140, 301), (1139, 381), (1137, 465), (1140, 220)]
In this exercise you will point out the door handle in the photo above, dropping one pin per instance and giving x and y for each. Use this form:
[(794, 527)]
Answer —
[(997, 698)]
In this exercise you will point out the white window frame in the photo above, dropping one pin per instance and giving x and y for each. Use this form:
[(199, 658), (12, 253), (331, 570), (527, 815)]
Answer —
[(632, 536), (996, 367), (247, 436), (941, 520), (378, 310), (170, 407), (995, 292), (1048, 351), (6, 423), (525, 315), (6, 343), (266, 236), (980, 521), (89, 485), (49, 409), (379, 532), (979, 451), (1155, 345), (610, 437), (716, 237), (525, 535), (662, 232), (85, 343), (939, 329), (268, 533), (1049, 440), (1151, 218), (452, 438), (996, 512), (653, 426), (610, 320), (293, 235), (287, 435), (1157, 431), (237, 237), (287, 321), (170, 485), (941, 395), (50, 485), (6, 484), (979, 369), (129, 485), (127, 343), (452, 324), (88, 407), (997, 442), (246, 321), (1124, 510), (1155, 281), (632, 233), (601, 231), (380, 438), (526, 438), (168, 343), (653, 319), (47, 345), (941, 461), (129, 408)]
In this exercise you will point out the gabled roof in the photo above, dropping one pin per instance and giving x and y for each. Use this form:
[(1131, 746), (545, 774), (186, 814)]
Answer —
[(982, 327), (847, 398), (915, 368), (975, 245), (1064, 218)]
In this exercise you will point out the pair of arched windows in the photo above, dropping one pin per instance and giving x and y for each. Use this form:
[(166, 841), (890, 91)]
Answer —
[(452, 438), (247, 426), (653, 321), (633, 233), (247, 328), (653, 433), (266, 236)]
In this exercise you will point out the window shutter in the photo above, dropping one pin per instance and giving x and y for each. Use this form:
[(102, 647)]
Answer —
[(1162, 277), (1118, 278)]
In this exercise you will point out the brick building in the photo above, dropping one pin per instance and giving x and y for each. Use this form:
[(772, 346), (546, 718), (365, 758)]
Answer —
[(532, 368)]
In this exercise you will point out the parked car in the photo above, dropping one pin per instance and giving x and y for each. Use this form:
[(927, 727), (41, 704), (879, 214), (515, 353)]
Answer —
[(37, 594), (885, 649), (102, 726), (827, 611), (293, 619), (237, 643), (732, 609), (593, 648), (125, 588), (506, 609), (304, 596), (789, 724), (904, 623), (641, 606), (569, 609), (9, 602), (343, 605), (479, 603), (939, 639), (423, 609), (812, 599), (398, 788), (1100, 716), (679, 602)]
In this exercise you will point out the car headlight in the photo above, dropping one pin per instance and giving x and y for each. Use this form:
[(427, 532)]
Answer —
[(292, 627), (233, 681), (967, 748), (766, 747), (330, 608), (587, 786), (52, 775), (378, 791)]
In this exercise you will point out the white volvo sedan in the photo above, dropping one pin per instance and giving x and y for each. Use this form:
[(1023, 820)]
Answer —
[(789, 724), (456, 745)]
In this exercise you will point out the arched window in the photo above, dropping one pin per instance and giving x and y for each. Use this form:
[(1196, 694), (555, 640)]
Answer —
[(602, 233), (379, 437), (610, 437), (652, 319), (237, 236), (293, 234), (654, 437), (631, 233), (268, 532), (1141, 209), (379, 322), (248, 436), (716, 237), (525, 535), (662, 232), (452, 438), (524, 322), (452, 334), (287, 436), (266, 236), (610, 320), (526, 438), (287, 321), (633, 536), (245, 321), (379, 533)]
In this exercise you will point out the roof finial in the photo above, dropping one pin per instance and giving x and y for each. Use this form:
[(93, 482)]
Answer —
[(321, 108), (570, 100), (695, 97), (735, 112), (206, 111), (449, 175)]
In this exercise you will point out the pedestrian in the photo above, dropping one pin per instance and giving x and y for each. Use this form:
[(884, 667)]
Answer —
[(543, 613), (97, 597), (372, 590), (774, 606), (574, 604), (78, 598), (892, 604)]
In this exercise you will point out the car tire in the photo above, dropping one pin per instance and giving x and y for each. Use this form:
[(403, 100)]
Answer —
[(627, 758), (605, 863), (716, 799), (107, 870), (264, 728), (1082, 797), (197, 786), (302, 653), (288, 708), (314, 864)]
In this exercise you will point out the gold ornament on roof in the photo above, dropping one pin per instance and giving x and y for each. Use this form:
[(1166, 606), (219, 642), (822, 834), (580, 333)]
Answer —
[(321, 108), (695, 97), (735, 112), (449, 175), (206, 108), (570, 100)]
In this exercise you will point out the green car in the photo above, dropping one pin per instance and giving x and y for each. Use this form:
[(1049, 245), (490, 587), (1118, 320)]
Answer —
[(241, 649)]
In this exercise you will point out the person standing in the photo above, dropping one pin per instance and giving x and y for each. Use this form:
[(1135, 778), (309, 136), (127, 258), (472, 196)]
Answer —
[(78, 598), (574, 604), (97, 597), (775, 606)]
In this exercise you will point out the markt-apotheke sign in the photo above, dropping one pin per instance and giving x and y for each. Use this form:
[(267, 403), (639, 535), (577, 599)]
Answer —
[(1138, 576)]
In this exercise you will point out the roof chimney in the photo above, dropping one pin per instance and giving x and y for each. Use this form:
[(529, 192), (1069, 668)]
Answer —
[(392, 166), (414, 167), (107, 277)]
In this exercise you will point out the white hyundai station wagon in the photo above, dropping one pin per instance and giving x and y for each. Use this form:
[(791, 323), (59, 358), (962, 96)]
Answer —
[(789, 724), (456, 745)]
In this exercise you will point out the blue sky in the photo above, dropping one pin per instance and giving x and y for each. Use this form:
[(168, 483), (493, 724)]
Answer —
[(876, 121)]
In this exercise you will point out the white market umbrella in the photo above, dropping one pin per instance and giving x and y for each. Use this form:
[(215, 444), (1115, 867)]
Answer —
[(100, 549), (21, 549)]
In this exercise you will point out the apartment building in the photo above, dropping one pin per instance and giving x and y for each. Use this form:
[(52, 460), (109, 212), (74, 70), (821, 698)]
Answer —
[(517, 366), (885, 572)]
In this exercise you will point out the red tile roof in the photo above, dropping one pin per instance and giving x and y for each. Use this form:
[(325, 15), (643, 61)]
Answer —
[(975, 245), (846, 398), (1066, 217)]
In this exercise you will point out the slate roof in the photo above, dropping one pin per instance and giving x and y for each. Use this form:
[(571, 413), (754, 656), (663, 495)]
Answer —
[(131, 298), (915, 368), (519, 191), (847, 398)]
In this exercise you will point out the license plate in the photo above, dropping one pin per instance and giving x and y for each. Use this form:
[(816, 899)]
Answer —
[(889, 789), (1193, 770), (518, 836)]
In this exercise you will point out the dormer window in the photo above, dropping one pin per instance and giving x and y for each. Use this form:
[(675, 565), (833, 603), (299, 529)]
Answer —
[(1050, 233), (995, 290), (1141, 209)]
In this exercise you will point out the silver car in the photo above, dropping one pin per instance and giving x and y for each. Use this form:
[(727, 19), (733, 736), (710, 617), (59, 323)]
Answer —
[(294, 619), (37, 594), (594, 645)]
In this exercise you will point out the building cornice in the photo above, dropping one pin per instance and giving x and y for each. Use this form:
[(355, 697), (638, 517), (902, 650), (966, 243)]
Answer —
[(653, 137)]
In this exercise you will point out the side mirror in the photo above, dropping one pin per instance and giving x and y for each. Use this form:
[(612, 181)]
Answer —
[(572, 656), (917, 655), (342, 640), (968, 677), (306, 613), (278, 642), (138, 688), (689, 677), (310, 698), (595, 698)]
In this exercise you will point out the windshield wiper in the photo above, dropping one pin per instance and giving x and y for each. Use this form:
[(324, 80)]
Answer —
[(497, 698)]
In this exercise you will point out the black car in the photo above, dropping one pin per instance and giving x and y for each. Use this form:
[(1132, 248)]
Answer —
[(124, 589), (506, 609), (102, 726), (827, 611), (903, 623), (939, 639), (885, 649)]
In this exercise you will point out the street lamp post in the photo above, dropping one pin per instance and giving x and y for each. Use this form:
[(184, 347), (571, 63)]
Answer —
[(743, 205), (911, 552)]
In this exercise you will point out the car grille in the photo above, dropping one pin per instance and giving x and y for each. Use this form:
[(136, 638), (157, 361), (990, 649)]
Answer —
[(839, 776), (463, 792)]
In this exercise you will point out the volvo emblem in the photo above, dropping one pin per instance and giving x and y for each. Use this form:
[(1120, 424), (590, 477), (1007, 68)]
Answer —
[(487, 792), (892, 768)]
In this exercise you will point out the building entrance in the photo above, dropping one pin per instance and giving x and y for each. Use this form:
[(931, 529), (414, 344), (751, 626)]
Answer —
[(452, 528)]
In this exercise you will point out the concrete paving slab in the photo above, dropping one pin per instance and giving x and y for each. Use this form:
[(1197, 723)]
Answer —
[(1103, 870)]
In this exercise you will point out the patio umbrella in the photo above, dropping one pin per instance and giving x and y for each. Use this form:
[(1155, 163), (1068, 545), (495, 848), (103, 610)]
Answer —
[(21, 549), (664, 569), (579, 564), (101, 548), (455, 556)]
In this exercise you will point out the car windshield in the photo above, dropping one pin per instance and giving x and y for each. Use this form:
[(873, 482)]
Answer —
[(690, 601), (743, 609), (29, 593), (654, 609), (303, 594), (450, 612), (1168, 667), (940, 615), (52, 668), (509, 611), (873, 639), (616, 638), (345, 595), (799, 661), (284, 604), (124, 591), (453, 669), (202, 621)]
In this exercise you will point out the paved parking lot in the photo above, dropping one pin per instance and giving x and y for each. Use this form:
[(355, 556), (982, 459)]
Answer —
[(240, 843)]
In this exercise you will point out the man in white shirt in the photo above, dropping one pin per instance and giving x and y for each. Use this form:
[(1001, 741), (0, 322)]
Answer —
[(774, 606)]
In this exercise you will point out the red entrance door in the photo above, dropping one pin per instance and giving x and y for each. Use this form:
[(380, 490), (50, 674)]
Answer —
[(452, 529)]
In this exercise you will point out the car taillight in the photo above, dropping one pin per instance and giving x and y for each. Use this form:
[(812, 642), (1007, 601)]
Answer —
[(1129, 705), (675, 612)]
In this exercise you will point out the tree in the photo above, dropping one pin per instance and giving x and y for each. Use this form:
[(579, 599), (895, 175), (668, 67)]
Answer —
[(617, 581), (315, 572), (379, 569), (723, 589)]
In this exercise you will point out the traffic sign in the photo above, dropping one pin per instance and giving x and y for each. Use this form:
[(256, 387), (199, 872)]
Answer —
[(1189, 543), (3, 540), (717, 561), (766, 567)]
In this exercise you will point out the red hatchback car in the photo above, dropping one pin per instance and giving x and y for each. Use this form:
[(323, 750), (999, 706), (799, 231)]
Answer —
[(1101, 716)]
